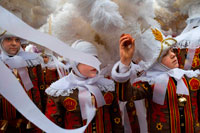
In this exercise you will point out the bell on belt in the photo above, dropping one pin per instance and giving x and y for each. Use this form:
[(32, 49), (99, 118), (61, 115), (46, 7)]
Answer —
[(182, 101)]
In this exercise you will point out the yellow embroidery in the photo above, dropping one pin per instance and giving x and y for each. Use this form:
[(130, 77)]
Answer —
[(197, 124), (159, 126), (108, 98), (196, 60), (144, 87), (70, 104), (134, 113), (42, 87), (194, 84), (117, 120), (131, 104)]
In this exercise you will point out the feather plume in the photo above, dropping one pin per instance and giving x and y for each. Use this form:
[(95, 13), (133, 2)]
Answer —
[(105, 17), (186, 6), (102, 22)]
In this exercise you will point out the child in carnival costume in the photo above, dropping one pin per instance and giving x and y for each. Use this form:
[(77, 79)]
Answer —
[(188, 42), (84, 86), (52, 71), (104, 21), (27, 69), (170, 91), (121, 73)]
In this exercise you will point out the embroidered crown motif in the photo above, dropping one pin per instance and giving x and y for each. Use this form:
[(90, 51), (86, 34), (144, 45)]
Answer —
[(157, 34)]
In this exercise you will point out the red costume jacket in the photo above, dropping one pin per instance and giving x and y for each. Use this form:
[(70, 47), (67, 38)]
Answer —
[(65, 112)]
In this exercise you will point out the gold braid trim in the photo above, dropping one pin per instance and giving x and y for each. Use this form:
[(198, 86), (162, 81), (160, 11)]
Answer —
[(160, 51), (166, 43), (3, 33)]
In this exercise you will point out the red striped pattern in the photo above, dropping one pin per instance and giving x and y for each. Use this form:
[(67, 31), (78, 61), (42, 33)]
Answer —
[(9, 112), (173, 107), (189, 128)]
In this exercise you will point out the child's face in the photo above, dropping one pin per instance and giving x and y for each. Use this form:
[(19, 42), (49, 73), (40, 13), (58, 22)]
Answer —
[(87, 71), (46, 59), (11, 45), (170, 59)]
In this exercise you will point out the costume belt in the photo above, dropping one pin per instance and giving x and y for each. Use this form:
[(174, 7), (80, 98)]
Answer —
[(181, 103)]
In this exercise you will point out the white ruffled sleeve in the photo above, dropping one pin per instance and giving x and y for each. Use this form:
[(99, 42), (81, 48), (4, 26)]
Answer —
[(122, 73)]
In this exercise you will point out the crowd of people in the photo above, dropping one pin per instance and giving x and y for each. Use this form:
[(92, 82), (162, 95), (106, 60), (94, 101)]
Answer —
[(35, 71)]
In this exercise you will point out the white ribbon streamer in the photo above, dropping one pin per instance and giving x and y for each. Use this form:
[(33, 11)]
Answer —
[(160, 89), (11, 89), (59, 69), (84, 98), (189, 58), (19, 63), (98, 95), (25, 78), (142, 115), (124, 74), (17, 27), (161, 83), (125, 117), (181, 88)]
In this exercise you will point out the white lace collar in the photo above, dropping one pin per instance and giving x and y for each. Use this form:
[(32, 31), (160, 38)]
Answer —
[(86, 87), (159, 75), (67, 84)]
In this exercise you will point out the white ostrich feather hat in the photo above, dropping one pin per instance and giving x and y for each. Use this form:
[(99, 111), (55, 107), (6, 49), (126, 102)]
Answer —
[(85, 46), (151, 46), (4, 33)]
